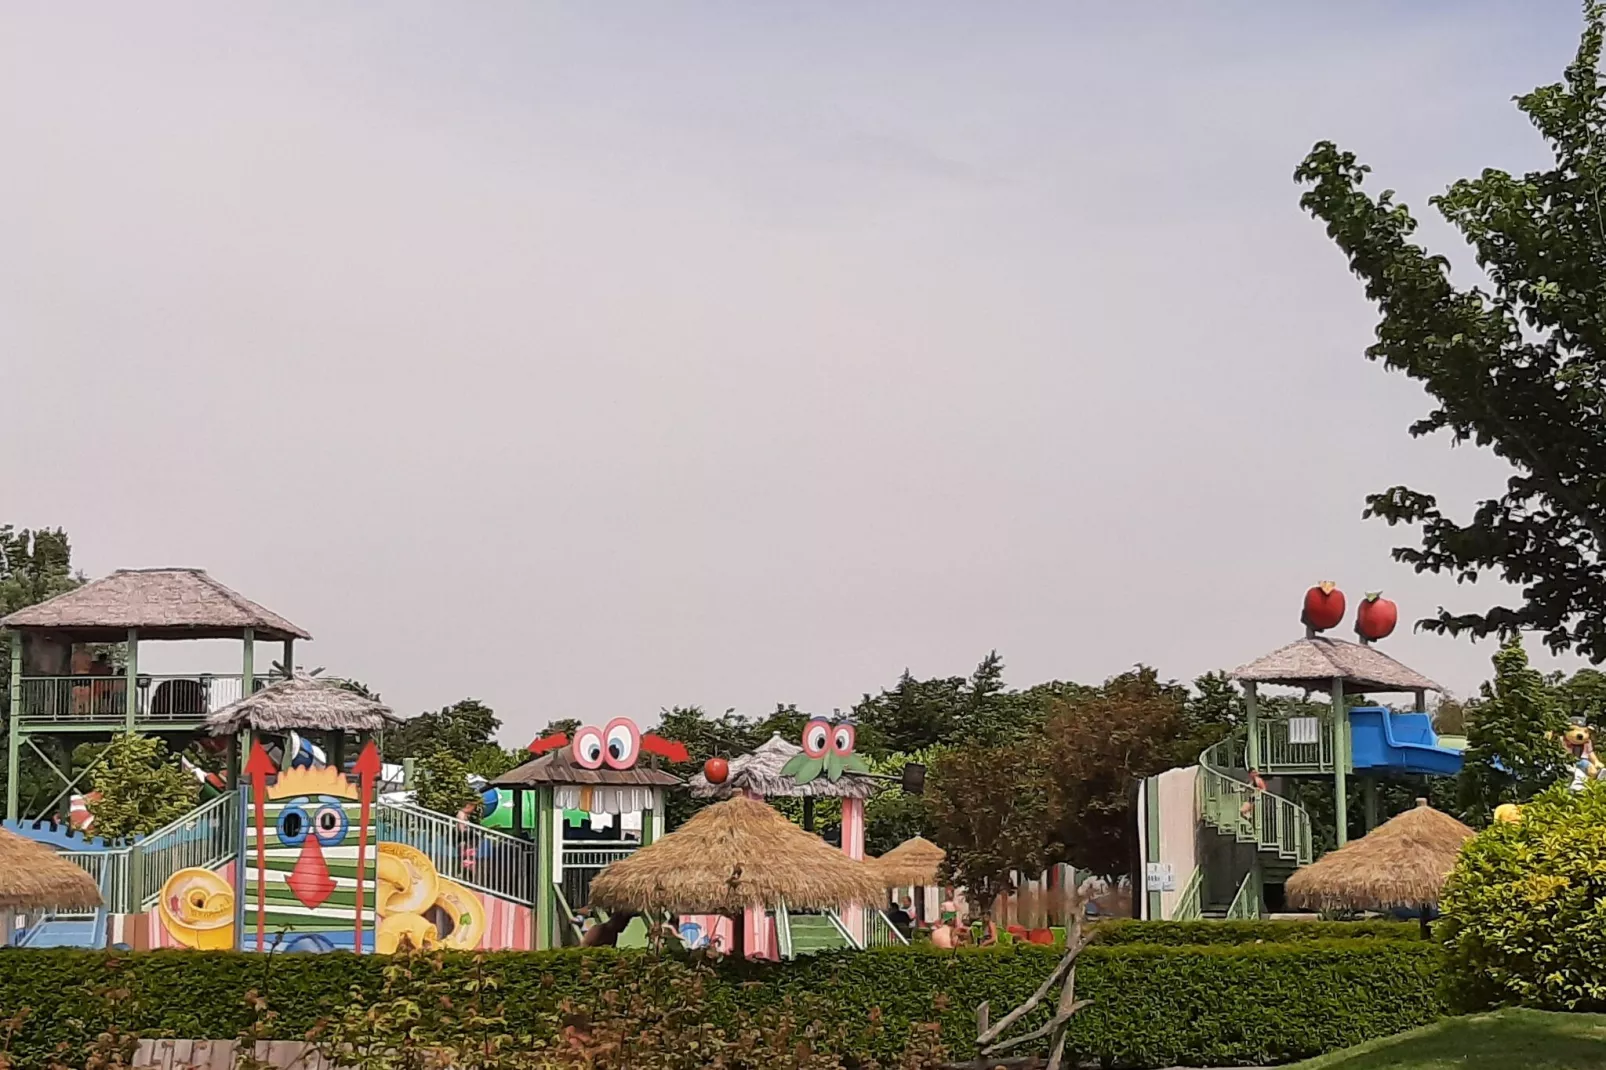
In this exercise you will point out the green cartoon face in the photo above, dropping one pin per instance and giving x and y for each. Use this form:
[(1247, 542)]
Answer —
[(828, 749)]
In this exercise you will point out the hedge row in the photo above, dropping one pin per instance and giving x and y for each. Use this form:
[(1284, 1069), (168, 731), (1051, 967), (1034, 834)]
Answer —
[(1153, 1006), (1177, 933)]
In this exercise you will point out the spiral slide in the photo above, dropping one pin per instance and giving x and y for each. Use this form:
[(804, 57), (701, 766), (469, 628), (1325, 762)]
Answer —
[(1405, 742)]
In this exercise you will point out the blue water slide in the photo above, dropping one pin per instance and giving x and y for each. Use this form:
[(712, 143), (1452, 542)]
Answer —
[(1405, 742)]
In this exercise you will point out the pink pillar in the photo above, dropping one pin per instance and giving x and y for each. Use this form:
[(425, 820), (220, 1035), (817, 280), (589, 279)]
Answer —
[(755, 923), (853, 846)]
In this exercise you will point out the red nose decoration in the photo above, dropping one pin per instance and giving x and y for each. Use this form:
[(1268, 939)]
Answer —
[(310, 880)]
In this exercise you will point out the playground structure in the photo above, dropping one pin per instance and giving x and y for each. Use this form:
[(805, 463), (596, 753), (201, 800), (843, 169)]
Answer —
[(1220, 838), (782, 769)]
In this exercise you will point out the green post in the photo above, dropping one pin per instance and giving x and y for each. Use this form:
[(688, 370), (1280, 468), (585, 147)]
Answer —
[(248, 664), (289, 657), (1252, 720), (546, 907), (1151, 852), (1369, 800), (1340, 761), (131, 702), (14, 747), (647, 816)]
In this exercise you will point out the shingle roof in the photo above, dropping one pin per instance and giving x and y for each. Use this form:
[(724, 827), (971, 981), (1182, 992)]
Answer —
[(559, 767)]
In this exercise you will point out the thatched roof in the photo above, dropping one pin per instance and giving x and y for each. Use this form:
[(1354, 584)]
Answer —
[(1315, 662), (35, 877), (760, 772), (559, 767), (306, 704), (163, 603), (1401, 863), (731, 855), (913, 862)]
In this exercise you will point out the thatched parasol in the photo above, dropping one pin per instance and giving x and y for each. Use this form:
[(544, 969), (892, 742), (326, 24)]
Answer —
[(732, 855), (913, 863), (34, 877), (1402, 863), (760, 772), (303, 703)]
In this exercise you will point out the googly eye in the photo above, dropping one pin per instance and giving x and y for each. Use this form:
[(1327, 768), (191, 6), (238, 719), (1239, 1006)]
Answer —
[(588, 749), (816, 738), (621, 743), (293, 826), (329, 824), (842, 737)]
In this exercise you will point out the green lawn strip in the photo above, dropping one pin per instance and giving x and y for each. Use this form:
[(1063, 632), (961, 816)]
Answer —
[(1510, 1039)]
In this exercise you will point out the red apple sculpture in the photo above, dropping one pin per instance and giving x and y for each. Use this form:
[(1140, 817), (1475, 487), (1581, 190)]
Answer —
[(1324, 607), (1376, 617), (717, 770)]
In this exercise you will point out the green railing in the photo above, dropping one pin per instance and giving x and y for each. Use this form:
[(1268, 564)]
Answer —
[(204, 838), (1229, 803), (880, 932), (1279, 755), (483, 858), (569, 934), (841, 927), (1190, 904), (1245, 905), (104, 699)]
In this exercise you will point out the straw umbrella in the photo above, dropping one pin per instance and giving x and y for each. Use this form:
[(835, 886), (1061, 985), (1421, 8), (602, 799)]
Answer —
[(732, 855), (911, 864), (34, 877), (1404, 862)]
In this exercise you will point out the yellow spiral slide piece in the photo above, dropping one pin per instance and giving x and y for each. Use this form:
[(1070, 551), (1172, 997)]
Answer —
[(197, 907), (406, 880)]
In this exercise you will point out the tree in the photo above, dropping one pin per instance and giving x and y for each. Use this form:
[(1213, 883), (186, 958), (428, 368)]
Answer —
[(1512, 749), (1134, 726), (974, 711), (1518, 367), (34, 566), (567, 726), (992, 811), (140, 789), (891, 816), (443, 784), (463, 727)]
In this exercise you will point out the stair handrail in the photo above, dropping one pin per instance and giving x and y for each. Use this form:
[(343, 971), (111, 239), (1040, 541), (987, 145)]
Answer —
[(204, 838), (836, 919), (783, 930), (1277, 823), (1245, 905), (1190, 904)]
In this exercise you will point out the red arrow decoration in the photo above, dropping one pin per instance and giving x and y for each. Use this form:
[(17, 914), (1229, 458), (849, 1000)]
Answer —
[(259, 767), (367, 767)]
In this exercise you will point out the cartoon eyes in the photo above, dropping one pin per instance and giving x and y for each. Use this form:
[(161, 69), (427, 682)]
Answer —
[(842, 738), (816, 738), (618, 745), (327, 823), (621, 740)]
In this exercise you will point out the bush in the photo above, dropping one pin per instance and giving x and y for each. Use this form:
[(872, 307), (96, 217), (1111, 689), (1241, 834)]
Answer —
[(1177, 933), (1152, 1005), (1525, 908)]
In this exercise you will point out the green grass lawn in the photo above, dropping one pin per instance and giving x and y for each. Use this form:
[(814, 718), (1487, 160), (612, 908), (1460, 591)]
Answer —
[(1503, 1040)]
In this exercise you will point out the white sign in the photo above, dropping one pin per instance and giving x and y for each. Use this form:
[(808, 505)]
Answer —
[(1160, 877), (1304, 730)]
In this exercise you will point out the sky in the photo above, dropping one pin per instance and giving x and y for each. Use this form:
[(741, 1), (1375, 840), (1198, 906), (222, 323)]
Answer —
[(591, 359)]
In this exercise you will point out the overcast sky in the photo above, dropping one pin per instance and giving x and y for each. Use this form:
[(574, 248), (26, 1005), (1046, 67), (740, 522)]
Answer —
[(588, 359)]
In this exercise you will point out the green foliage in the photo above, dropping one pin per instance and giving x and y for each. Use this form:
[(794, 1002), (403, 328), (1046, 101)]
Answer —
[(1152, 1006), (1533, 1040), (1184, 933), (1516, 367), (1512, 751), (1524, 907), (462, 728), (140, 789), (992, 812), (891, 817), (442, 784)]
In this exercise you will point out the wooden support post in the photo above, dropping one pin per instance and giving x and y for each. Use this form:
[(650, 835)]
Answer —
[(248, 656), (1151, 827), (1341, 761), (14, 730), (131, 712), (547, 840), (289, 657), (1252, 723)]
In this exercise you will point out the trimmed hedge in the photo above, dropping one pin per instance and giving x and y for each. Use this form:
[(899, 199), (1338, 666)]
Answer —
[(1153, 1006), (1178, 933)]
